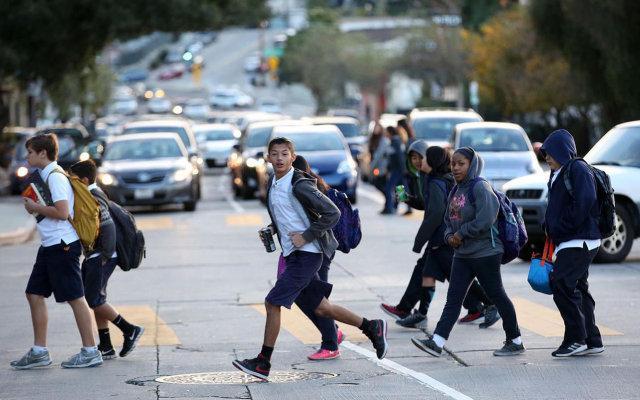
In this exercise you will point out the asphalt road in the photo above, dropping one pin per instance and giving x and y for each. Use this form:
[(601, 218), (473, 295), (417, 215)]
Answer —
[(199, 295)]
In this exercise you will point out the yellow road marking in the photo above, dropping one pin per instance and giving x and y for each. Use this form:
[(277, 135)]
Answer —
[(545, 321), (156, 331), (154, 224), (245, 220), (297, 324)]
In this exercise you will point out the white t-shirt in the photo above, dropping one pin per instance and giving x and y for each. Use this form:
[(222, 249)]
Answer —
[(51, 230)]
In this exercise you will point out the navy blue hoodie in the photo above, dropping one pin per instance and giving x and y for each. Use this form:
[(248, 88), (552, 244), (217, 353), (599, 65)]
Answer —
[(570, 217)]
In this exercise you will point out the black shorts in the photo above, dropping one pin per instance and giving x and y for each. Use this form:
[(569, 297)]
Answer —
[(95, 277), (438, 262), (57, 271)]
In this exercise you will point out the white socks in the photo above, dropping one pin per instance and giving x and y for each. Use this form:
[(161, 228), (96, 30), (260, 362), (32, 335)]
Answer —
[(439, 340), (38, 349), (90, 349), (517, 340)]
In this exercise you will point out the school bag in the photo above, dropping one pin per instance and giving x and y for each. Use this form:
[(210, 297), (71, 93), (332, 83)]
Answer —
[(129, 239), (540, 269), (347, 231), (86, 211), (605, 195), (511, 229)]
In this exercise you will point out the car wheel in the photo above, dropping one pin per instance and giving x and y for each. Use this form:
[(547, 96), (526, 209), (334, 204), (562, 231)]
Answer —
[(615, 248), (190, 206)]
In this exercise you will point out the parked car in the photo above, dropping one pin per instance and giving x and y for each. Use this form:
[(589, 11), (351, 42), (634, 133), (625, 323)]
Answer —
[(504, 147), (436, 125), (134, 75), (159, 105), (150, 169), (252, 63), (196, 109), (328, 154), (216, 142), (618, 154), (351, 130)]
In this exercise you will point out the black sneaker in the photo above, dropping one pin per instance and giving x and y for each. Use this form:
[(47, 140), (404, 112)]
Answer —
[(428, 346), (567, 350), (258, 367), (107, 353), (509, 349), (491, 316), (130, 341), (415, 320), (377, 333)]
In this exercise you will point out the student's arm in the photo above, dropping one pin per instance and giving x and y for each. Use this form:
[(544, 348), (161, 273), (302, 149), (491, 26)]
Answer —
[(59, 210), (328, 214), (415, 202), (487, 208), (584, 196)]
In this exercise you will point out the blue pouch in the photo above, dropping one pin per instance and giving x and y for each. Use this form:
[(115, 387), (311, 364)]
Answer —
[(540, 270)]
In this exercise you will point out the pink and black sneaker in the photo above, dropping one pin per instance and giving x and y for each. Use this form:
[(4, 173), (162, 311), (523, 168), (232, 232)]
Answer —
[(394, 311), (324, 354)]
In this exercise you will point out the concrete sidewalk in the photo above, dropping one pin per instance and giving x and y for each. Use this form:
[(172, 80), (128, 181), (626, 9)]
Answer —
[(16, 225)]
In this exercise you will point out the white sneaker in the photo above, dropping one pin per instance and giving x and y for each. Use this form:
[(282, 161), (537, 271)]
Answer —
[(84, 359)]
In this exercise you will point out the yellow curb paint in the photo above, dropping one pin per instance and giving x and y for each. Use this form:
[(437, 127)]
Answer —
[(155, 223), (296, 323), (244, 220), (156, 331), (545, 321)]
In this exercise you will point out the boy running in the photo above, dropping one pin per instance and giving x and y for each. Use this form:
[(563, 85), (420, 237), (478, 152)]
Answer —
[(302, 217), (98, 266)]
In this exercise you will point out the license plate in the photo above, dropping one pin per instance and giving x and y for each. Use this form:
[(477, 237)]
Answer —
[(143, 194)]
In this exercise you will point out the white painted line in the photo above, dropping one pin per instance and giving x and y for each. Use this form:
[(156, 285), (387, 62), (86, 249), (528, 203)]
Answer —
[(371, 195), (402, 370)]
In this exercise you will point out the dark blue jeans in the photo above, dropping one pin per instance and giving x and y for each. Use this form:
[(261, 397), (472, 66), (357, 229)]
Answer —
[(395, 179), (326, 326)]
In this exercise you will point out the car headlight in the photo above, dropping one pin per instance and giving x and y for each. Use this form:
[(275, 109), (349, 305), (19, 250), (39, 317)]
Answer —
[(107, 179), (84, 156), (252, 162), (346, 166), (22, 172), (181, 175)]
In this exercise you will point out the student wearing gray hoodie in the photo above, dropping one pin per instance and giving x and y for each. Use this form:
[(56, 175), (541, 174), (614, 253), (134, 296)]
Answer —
[(471, 230)]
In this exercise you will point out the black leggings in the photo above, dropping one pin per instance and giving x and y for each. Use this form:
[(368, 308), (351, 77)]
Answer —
[(487, 270)]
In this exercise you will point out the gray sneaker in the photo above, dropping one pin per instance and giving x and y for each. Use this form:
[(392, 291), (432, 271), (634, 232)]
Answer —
[(509, 349), (415, 320), (32, 360), (83, 359)]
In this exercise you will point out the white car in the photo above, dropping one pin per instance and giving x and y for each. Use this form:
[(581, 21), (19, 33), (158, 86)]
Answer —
[(227, 98), (216, 142), (270, 106), (159, 105), (618, 154), (504, 147), (196, 109), (124, 106), (435, 126)]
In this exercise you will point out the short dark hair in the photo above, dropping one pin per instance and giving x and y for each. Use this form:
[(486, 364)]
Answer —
[(44, 141), (281, 140), (392, 130), (85, 169)]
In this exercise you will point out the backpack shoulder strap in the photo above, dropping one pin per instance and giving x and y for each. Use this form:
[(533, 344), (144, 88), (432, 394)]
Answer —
[(566, 174), (474, 182)]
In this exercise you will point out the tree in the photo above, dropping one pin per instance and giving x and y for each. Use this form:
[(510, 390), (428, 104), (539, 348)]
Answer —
[(599, 39)]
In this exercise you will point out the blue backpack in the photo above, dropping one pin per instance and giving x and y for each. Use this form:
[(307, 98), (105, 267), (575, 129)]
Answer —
[(511, 229), (347, 231)]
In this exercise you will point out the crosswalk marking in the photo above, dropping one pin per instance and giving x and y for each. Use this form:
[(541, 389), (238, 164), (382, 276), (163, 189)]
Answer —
[(244, 220), (545, 321), (156, 331), (155, 223), (297, 324)]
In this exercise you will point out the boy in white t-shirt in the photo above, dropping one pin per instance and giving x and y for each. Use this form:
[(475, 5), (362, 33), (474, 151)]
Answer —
[(57, 266)]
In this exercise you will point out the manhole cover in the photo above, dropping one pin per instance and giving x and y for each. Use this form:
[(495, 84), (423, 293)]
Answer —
[(237, 377)]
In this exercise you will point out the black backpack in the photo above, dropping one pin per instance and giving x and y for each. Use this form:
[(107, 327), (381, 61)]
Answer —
[(605, 194), (129, 239)]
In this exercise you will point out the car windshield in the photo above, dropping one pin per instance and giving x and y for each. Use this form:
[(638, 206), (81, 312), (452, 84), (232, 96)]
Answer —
[(437, 128), (258, 137), (184, 136), (349, 130), (620, 146), (219, 134), (142, 149), (316, 141), (490, 139)]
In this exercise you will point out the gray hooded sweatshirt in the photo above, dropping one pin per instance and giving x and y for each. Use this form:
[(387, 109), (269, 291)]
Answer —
[(474, 222)]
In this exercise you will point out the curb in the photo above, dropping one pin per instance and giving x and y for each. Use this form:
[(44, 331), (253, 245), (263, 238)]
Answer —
[(19, 235)]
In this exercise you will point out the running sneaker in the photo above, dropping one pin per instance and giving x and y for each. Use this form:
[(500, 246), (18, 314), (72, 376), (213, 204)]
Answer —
[(377, 333), (472, 317), (491, 316), (592, 350), (415, 320), (324, 354), (341, 336), (571, 349), (84, 359), (394, 311), (258, 367), (32, 360), (107, 353), (428, 346), (130, 341), (509, 349)]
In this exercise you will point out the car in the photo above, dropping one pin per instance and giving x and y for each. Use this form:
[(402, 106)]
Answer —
[(344, 112), (19, 169), (242, 119), (134, 75), (176, 125), (172, 71), (228, 98), (216, 142), (246, 162), (505, 149), (151, 169), (159, 105), (196, 109), (435, 126), (124, 106), (270, 106), (618, 154), (351, 130), (327, 152)]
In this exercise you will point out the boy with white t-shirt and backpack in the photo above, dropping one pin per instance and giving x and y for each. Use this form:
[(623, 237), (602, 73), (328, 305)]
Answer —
[(57, 266)]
